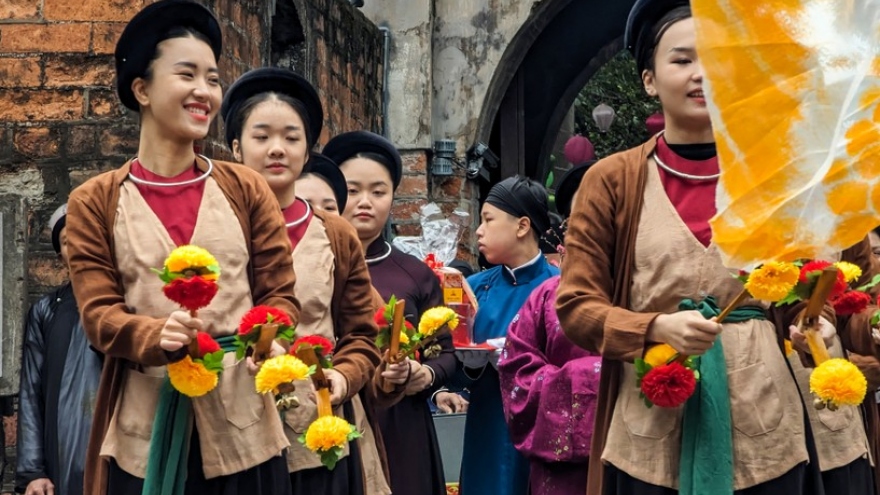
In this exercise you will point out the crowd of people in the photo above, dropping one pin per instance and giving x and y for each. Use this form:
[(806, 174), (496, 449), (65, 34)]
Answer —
[(550, 406)]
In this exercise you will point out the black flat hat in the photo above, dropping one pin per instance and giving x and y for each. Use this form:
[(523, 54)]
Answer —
[(137, 45), (329, 171), (273, 80), (642, 17), (349, 144), (568, 185)]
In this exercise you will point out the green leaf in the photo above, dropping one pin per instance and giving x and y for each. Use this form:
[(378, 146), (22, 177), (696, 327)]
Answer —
[(791, 298), (285, 333), (874, 281), (329, 458), (215, 268), (875, 319), (642, 367), (311, 370), (213, 361)]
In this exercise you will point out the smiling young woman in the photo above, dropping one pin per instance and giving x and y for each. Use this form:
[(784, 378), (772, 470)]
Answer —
[(125, 222)]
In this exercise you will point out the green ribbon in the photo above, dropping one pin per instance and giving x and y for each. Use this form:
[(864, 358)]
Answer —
[(706, 464), (169, 440)]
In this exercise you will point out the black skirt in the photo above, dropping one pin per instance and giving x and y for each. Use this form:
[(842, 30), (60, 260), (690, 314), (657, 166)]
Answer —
[(856, 478), (270, 477), (619, 483), (346, 478)]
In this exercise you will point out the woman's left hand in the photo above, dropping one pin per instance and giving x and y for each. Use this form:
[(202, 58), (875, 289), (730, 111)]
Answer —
[(338, 386), (826, 330), (276, 350)]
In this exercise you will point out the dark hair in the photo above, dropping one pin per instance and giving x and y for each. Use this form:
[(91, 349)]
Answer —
[(645, 56), (378, 158), (174, 32), (236, 123)]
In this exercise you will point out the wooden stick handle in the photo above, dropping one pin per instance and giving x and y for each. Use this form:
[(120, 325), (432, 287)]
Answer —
[(193, 347), (307, 355), (810, 321), (733, 304), (396, 328), (263, 347)]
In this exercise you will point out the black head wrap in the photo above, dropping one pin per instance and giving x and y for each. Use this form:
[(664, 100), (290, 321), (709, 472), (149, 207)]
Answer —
[(350, 144), (140, 39), (568, 185), (522, 197), (641, 30), (273, 80), (327, 170)]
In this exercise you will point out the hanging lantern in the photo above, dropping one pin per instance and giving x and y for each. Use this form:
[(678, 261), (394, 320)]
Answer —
[(603, 115), (655, 123), (578, 149)]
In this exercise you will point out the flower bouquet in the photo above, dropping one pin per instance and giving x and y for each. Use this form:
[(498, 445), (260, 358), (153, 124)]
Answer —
[(190, 275), (409, 339), (328, 434), (663, 379), (834, 382)]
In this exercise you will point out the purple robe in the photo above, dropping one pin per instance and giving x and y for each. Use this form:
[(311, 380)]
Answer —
[(549, 388)]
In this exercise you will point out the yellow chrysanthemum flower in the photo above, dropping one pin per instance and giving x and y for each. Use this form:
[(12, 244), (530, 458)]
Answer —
[(278, 370), (434, 319), (190, 378), (189, 257), (851, 272), (789, 349), (659, 354), (840, 382), (404, 338), (772, 281), (326, 433)]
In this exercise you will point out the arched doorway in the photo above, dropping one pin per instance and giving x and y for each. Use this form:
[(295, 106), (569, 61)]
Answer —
[(554, 54)]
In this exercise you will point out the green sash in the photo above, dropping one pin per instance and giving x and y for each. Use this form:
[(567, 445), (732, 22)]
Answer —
[(707, 435), (169, 441)]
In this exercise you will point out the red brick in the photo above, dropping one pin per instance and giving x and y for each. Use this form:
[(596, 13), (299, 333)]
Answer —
[(91, 10), (79, 70), (104, 37), (40, 105), (406, 210), (450, 187), (80, 140), (104, 103), (20, 72), (119, 141), (36, 142), (412, 187), (19, 10), (414, 162), (60, 38), (46, 270)]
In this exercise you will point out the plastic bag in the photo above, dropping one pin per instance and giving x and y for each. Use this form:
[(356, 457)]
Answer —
[(440, 235)]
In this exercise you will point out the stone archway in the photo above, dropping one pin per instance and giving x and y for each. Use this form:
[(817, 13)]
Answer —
[(288, 46), (561, 45)]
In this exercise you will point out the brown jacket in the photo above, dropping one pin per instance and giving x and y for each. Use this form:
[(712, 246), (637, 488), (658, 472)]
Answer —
[(594, 292), (124, 336)]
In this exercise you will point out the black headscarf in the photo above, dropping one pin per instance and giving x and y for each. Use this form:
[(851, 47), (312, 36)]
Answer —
[(139, 40), (641, 30), (350, 144), (522, 197), (329, 172)]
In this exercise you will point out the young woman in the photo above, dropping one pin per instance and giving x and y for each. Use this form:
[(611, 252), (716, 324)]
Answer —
[(323, 186), (514, 218), (638, 245), (372, 169), (273, 118), (122, 224), (549, 385)]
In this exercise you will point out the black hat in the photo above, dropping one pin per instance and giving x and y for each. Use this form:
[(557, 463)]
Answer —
[(136, 47), (273, 80), (640, 24), (568, 185), (327, 170), (56, 223), (349, 144)]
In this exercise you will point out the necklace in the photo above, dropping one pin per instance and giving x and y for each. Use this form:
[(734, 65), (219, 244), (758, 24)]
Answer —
[(381, 257), (682, 175), (303, 218), (200, 178)]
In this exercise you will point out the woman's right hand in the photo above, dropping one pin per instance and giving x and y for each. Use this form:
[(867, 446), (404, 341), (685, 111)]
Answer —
[(688, 332), (179, 330), (397, 373)]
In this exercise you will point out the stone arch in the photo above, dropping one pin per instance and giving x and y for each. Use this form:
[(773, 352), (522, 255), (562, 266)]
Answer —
[(288, 44), (555, 52)]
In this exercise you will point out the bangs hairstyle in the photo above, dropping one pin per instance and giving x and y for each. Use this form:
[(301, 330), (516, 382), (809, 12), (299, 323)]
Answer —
[(380, 159), (175, 32), (647, 53), (236, 123)]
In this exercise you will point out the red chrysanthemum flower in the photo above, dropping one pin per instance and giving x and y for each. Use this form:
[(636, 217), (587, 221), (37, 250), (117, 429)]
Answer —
[(192, 293), (207, 344), (315, 341), (813, 269), (851, 302), (379, 318), (669, 385), (408, 326), (261, 315)]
